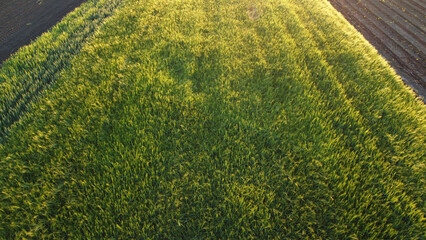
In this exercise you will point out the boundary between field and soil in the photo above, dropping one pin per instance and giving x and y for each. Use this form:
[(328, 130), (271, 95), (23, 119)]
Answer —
[(24, 20), (35, 67), (397, 30)]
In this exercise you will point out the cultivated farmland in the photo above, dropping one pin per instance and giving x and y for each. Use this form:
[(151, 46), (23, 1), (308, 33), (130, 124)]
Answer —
[(209, 119)]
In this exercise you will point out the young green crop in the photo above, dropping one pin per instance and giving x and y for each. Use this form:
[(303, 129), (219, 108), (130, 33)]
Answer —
[(219, 119)]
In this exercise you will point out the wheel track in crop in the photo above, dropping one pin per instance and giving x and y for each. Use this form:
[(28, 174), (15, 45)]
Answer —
[(396, 29)]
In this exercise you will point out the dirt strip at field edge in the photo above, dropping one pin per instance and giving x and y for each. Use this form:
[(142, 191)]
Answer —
[(397, 30)]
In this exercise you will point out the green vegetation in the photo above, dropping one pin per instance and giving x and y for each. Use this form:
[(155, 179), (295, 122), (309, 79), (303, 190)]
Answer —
[(219, 119), (29, 72)]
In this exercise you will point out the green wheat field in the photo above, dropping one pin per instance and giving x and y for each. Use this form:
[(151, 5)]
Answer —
[(208, 119)]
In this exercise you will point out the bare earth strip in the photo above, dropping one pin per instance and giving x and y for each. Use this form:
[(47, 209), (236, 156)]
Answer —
[(23, 20), (397, 30)]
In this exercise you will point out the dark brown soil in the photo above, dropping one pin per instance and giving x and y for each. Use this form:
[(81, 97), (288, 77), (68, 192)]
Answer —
[(397, 29), (24, 20)]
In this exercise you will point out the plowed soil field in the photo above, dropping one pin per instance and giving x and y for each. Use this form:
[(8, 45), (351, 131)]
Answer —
[(23, 20), (397, 29)]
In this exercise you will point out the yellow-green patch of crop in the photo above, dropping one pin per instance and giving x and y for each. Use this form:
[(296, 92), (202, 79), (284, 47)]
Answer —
[(219, 119)]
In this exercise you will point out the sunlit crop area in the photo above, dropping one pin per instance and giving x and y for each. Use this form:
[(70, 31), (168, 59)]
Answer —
[(206, 119)]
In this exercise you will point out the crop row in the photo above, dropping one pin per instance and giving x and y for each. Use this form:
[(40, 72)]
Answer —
[(35, 67)]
